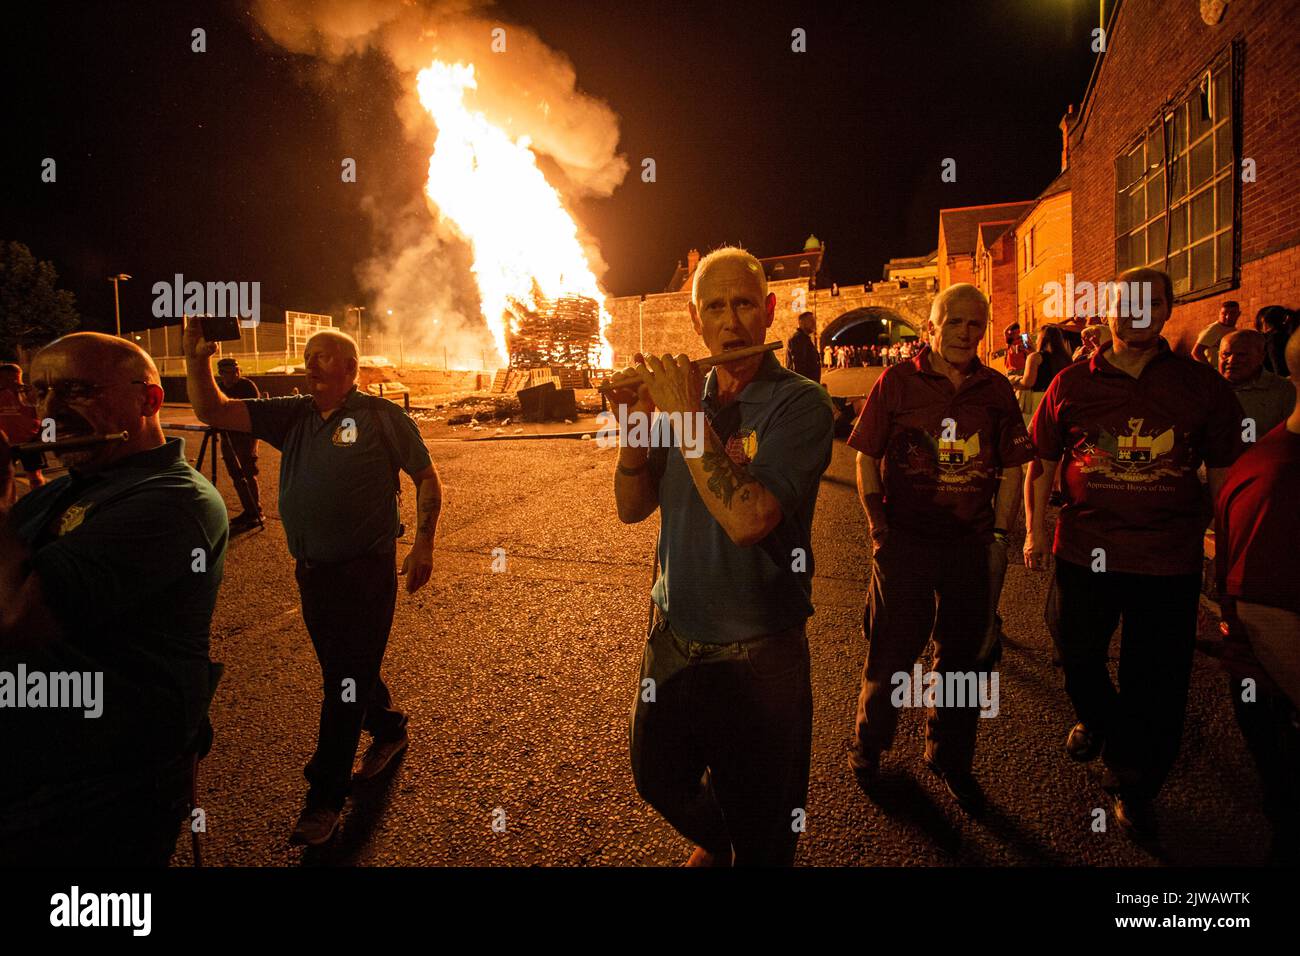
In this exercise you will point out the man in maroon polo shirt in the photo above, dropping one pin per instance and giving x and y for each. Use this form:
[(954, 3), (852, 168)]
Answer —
[(1130, 427), (941, 437), (1259, 584)]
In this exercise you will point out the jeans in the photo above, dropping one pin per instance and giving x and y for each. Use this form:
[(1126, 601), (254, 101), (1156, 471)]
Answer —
[(923, 589), (722, 738), (1142, 721), (348, 610)]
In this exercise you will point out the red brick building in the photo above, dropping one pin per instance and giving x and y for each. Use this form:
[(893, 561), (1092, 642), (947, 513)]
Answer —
[(1194, 108)]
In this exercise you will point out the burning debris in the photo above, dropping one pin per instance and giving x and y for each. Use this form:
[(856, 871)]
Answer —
[(565, 332)]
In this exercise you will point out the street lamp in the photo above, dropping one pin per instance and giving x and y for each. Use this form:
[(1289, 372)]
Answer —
[(117, 307)]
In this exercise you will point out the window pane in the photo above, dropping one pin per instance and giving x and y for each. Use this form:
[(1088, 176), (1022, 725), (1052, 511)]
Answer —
[(1178, 125), (1137, 205), (1156, 241), (1223, 189), (1155, 157), (1224, 269), (1178, 272), (1198, 111), (1202, 214), (1156, 194), (1121, 254), (1222, 91), (1180, 177), (1178, 239), (1202, 161), (1223, 146), (1203, 264), (1122, 221)]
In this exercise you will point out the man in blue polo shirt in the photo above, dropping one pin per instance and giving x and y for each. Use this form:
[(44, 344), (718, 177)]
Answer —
[(108, 578), (722, 726), (340, 456)]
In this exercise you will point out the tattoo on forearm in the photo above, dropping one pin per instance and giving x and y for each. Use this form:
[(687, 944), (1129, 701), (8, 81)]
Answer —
[(726, 477), (428, 506)]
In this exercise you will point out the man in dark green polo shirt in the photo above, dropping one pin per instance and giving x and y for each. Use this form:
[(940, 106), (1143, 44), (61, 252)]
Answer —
[(108, 578), (722, 726), (340, 455)]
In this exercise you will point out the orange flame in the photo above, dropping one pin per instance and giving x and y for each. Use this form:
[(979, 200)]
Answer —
[(489, 188)]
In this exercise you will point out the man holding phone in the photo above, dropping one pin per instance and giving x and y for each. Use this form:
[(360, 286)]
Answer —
[(341, 452)]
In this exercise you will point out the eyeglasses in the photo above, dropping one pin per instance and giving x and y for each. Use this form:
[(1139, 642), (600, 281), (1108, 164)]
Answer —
[(73, 391)]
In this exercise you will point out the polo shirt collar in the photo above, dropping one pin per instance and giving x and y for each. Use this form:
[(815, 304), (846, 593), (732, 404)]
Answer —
[(152, 459), (350, 401), (758, 391), (1258, 383), (921, 361), (1097, 365)]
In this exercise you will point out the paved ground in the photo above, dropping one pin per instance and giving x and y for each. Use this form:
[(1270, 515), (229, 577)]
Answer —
[(519, 684)]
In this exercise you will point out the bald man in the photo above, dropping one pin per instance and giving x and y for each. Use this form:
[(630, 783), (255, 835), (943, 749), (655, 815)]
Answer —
[(108, 579), (1267, 399), (341, 452)]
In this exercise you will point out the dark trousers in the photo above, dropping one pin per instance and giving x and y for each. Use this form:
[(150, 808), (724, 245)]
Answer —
[(1142, 720), (348, 610), (922, 590), (136, 826), (722, 739), (239, 451)]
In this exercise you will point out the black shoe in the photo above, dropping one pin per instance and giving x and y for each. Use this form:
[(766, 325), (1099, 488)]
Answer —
[(865, 767), (316, 827), (380, 756), (1138, 821), (1082, 744), (965, 789)]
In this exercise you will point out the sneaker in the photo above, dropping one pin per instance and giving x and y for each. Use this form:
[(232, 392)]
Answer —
[(1082, 744), (380, 756), (316, 826), (963, 786)]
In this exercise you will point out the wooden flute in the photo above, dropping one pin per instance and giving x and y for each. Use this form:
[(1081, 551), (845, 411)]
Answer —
[(702, 364)]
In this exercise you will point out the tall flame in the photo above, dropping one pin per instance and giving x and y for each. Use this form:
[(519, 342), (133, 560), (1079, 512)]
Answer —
[(489, 188)]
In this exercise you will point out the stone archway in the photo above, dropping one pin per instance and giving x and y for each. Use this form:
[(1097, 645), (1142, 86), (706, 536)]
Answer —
[(886, 317)]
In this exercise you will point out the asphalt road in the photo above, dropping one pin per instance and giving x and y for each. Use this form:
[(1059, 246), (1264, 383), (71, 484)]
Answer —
[(519, 683)]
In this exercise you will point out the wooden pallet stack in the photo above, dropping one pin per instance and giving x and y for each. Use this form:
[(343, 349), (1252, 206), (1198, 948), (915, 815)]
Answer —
[(562, 333)]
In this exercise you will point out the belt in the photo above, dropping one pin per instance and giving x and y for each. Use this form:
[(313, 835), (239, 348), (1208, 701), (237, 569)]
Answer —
[(708, 649)]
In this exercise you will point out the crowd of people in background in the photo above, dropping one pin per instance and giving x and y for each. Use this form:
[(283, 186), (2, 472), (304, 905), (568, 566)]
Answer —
[(859, 356)]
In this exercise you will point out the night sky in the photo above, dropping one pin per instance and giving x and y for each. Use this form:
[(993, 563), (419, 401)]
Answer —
[(225, 165)]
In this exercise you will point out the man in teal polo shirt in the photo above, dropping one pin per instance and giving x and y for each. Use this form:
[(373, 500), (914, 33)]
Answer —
[(340, 456), (108, 578), (722, 726)]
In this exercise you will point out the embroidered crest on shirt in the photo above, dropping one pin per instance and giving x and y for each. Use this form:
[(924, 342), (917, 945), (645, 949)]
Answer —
[(72, 518), (952, 460), (743, 446), (1133, 457)]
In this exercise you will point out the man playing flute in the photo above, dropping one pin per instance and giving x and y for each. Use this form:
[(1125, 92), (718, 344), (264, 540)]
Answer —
[(722, 726)]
